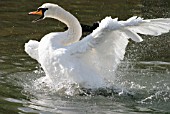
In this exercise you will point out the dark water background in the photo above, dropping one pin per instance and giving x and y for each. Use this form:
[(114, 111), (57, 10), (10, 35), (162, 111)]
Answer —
[(145, 72)]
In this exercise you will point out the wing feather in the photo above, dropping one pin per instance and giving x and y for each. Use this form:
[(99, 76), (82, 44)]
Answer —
[(31, 48), (105, 47)]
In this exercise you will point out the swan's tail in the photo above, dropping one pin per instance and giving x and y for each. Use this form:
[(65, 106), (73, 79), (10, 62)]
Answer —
[(31, 48)]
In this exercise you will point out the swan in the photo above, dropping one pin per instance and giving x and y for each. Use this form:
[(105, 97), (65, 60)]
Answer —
[(92, 61)]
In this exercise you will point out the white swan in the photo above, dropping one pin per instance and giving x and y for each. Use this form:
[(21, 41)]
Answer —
[(92, 61)]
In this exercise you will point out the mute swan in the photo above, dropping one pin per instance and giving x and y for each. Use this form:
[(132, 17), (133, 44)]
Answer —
[(91, 62)]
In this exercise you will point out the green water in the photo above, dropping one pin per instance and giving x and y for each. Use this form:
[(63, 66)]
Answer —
[(145, 72)]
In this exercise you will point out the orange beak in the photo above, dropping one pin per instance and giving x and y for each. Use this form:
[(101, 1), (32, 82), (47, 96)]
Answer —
[(36, 12)]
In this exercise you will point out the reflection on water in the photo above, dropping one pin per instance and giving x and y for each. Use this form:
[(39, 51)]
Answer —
[(144, 74)]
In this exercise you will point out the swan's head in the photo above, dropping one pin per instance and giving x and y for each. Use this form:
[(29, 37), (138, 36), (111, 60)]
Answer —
[(46, 10)]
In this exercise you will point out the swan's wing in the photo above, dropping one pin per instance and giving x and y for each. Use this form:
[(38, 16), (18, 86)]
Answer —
[(152, 27), (105, 47), (31, 48)]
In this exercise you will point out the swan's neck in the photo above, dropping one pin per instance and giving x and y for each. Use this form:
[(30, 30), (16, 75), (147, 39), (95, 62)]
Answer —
[(74, 31)]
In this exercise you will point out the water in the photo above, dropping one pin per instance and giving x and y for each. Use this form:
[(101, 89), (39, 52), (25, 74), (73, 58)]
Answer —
[(142, 84)]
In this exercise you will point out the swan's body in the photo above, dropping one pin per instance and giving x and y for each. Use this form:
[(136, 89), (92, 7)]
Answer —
[(92, 61)]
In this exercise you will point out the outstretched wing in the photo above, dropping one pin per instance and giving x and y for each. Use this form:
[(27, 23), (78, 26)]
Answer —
[(105, 47)]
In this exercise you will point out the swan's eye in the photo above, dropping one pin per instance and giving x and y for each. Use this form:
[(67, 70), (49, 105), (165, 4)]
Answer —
[(42, 9)]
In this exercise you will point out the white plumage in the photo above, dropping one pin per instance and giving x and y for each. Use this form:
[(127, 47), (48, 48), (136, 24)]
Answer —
[(92, 61)]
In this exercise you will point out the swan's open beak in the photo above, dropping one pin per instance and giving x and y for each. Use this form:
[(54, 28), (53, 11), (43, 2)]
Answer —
[(38, 12)]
